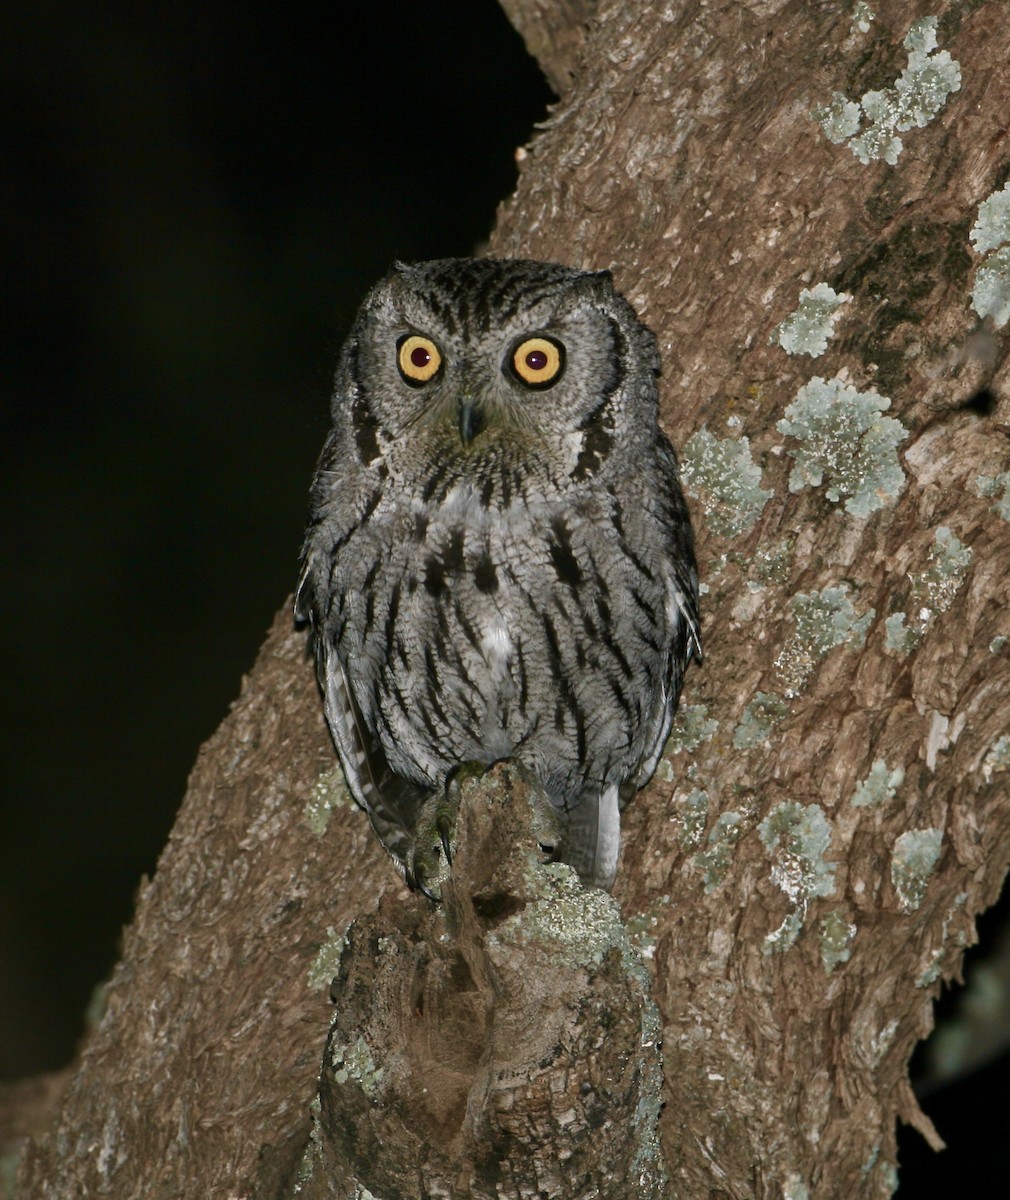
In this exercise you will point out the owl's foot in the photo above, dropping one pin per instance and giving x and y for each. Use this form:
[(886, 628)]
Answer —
[(430, 855), (431, 850)]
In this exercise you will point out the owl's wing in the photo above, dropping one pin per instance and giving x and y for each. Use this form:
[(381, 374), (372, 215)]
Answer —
[(682, 606), (391, 802), (681, 575), (684, 591), (683, 649)]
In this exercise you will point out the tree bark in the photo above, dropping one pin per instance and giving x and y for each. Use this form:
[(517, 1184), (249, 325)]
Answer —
[(832, 811)]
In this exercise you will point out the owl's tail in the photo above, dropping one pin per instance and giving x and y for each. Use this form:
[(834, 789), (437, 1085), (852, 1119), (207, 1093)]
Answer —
[(591, 838)]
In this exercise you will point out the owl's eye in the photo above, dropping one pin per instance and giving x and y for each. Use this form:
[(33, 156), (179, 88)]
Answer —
[(538, 362), (418, 359)]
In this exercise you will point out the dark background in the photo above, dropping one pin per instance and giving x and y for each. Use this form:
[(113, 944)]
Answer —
[(195, 198)]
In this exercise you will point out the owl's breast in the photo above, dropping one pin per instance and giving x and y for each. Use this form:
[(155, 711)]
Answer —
[(475, 635)]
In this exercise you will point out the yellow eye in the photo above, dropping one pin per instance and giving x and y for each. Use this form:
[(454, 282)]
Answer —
[(418, 358), (538, 361)]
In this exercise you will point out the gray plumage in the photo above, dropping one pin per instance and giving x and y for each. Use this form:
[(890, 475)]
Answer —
[(499, 561)]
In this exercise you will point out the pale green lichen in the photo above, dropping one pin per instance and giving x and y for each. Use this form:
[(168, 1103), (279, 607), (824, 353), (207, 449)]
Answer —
[(879, 787), (811, 326), (839, 118), (722, 839), (862, 15), (758, 719), (836, 940), (939, 584), (795, 1188), (991, 486), (992, 225), (915, 855), (353, 1061), (931, 972), (690, 813), (771, 563), (827, 618), (844, 436), (997, 644), (898, 637), (779, 940), (824, 619), (878, 141), (990, 297), (997, 759), (915, 99), (721, 473), (889, 1177), (871, 1161), (642, 928), (329, 793), (326, 964), (691, 726), (797, 838), (933, 592), (312, 1156), (878, 1044), (579, 924), (991, 231)]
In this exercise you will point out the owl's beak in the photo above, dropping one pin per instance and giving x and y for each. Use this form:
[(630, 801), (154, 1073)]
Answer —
[(471, 419)]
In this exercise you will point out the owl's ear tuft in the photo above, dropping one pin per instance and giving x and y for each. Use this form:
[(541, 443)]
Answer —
[(397, 274), (599, 284), (394, 284)]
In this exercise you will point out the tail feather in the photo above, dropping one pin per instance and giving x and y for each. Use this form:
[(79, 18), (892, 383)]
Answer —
[(591, 838)]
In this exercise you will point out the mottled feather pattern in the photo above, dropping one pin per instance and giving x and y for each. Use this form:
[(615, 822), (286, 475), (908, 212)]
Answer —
[(498, 568)]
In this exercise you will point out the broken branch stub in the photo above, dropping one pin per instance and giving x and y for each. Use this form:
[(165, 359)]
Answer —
[(503, 1043)]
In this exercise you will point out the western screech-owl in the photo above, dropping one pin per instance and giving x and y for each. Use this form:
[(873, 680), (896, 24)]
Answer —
[(499, 561)]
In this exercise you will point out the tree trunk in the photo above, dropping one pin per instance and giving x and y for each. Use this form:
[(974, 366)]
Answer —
[(831, 814)]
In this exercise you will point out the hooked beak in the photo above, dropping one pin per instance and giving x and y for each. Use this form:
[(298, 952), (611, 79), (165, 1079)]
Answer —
[(471, 419)]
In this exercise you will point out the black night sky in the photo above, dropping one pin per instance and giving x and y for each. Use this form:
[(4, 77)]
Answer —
[(195, 197)]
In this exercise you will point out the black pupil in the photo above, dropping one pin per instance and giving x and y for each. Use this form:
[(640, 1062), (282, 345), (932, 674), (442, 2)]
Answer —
[(536, 360), (420, 357)]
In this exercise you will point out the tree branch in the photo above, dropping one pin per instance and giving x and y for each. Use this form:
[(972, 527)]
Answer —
[(474, 1040), (554, 32)]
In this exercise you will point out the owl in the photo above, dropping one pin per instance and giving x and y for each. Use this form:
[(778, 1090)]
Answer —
[(499, 561)]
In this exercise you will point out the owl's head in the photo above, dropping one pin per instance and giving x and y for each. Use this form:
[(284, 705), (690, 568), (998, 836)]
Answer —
[(470, 355)]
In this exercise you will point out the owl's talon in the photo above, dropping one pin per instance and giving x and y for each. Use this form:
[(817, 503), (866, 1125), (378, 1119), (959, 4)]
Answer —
[(430, 855), (445, 829), (430, 895)]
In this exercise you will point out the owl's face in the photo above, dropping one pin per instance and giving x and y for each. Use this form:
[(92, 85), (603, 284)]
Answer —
[(472, 354)]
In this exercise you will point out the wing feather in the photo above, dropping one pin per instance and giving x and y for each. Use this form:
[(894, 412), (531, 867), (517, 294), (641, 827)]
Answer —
[(392, 803)]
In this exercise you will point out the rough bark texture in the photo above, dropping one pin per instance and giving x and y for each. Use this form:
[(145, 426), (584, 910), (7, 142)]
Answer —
[(832, 813), (483, 1037)]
